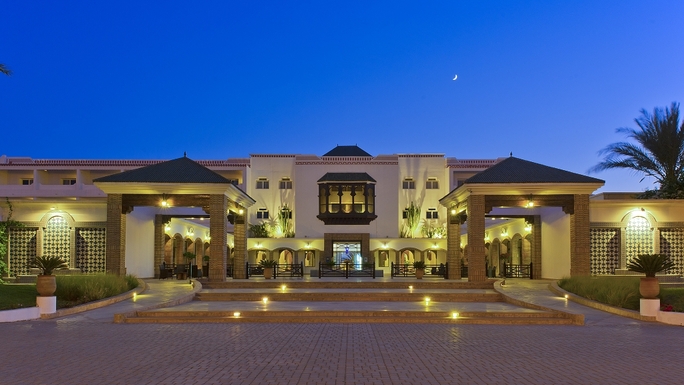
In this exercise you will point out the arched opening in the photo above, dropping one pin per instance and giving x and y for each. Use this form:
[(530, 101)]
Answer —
[(407, 257), (286, 257), (309, 258), (638, 237)]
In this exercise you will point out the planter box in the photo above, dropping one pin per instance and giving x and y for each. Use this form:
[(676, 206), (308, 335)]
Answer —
[(670, 317), (24, 314)]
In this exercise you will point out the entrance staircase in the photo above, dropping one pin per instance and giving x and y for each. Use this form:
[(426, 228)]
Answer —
[(362, 301)]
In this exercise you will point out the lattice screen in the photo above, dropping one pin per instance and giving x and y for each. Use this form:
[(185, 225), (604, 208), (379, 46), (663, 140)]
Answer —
[(90, 249), (605, 251), (57, 239), (638, 238), (672, 244), (22, 249)]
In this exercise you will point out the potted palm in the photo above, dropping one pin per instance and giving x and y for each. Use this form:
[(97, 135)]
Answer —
[(420, 269), (46, 284), (205, 265), (649, 264), (268, 265), (189, 256)]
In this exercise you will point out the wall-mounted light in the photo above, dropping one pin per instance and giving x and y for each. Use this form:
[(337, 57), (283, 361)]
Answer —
[(504, 232), (453, 211), (258, 245), (167, 228), (434, 245), (164, 201), (241, 211), (384, 245), (308, 245), (528, 227)]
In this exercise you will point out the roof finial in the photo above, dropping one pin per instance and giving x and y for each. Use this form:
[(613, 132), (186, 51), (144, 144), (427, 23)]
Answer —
[(185, 154), (511, 154)]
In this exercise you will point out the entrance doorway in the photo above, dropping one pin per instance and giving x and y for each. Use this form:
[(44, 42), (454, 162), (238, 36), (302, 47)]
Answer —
[(347, 252)]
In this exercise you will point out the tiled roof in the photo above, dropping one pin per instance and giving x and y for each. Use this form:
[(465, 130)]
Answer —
[(346, 177), (515, 170), (347, 151), (181, 170)]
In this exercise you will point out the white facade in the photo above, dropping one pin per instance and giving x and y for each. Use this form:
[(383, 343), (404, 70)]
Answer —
[(39, 190)]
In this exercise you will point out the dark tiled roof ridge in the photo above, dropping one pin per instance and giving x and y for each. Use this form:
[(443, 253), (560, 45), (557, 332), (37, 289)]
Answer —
[(349, 150), (180, 170), (516, 170)]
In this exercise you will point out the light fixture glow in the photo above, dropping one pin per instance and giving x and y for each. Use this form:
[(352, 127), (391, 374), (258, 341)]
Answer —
[(566, 296), (283, 287), (454, 315), (264, 300), (453, 211), (410, 287), (236, 314), (241, 211), (427, 300)]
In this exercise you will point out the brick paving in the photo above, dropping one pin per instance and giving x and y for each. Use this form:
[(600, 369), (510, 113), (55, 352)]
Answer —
[(92, 350)]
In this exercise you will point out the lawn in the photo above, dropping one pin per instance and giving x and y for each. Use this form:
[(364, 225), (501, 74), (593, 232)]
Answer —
[(17, 296), (619, 291), (71, 290)]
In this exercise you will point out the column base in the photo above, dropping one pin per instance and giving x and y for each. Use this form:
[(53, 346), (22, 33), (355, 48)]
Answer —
[(47, 305), (649, 307)]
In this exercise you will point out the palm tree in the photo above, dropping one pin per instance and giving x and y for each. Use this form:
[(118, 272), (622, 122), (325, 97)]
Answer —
[(5, 70), (659, 152)]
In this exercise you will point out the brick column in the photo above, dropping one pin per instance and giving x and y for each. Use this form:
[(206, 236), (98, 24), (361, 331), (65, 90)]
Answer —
[(158, 243), (454, 246), (116, 235), (476, 234), (217, 231), (580, 261), (240, 247), (536, 248)]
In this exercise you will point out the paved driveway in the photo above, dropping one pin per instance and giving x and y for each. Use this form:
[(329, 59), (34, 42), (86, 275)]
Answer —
[(92, 350)]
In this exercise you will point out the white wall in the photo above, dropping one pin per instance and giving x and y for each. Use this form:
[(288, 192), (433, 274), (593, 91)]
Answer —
[(140, 242), (555, 243)]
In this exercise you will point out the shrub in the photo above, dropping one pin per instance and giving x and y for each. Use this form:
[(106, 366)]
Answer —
[(615, 291), (77, 289)]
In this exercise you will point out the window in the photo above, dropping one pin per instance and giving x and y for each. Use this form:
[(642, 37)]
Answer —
[(409, 184), (286, 184), (431, 213), (346, 199), (432, 184), (262, 214), (68, 182), (27, 182), (262, 184)]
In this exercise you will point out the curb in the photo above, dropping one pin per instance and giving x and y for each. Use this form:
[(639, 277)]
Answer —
[(197, 287), (577, 318), (142, 287), (553, 286)]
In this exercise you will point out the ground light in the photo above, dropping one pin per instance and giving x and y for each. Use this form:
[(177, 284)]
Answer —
[(427, 301), (264, 300), (236, 314)]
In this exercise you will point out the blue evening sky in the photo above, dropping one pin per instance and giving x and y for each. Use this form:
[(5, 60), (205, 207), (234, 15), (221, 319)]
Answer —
[(548, 80)]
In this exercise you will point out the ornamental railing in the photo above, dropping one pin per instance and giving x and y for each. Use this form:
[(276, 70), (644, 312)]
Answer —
[(346, 270)]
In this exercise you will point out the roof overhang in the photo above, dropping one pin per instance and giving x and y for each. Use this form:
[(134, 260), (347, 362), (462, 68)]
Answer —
[(231, 191), (463, 192)]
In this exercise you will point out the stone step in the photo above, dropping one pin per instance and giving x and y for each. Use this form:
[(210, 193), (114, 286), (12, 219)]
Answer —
[(344, 284), (351, 296), (507, 318)]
